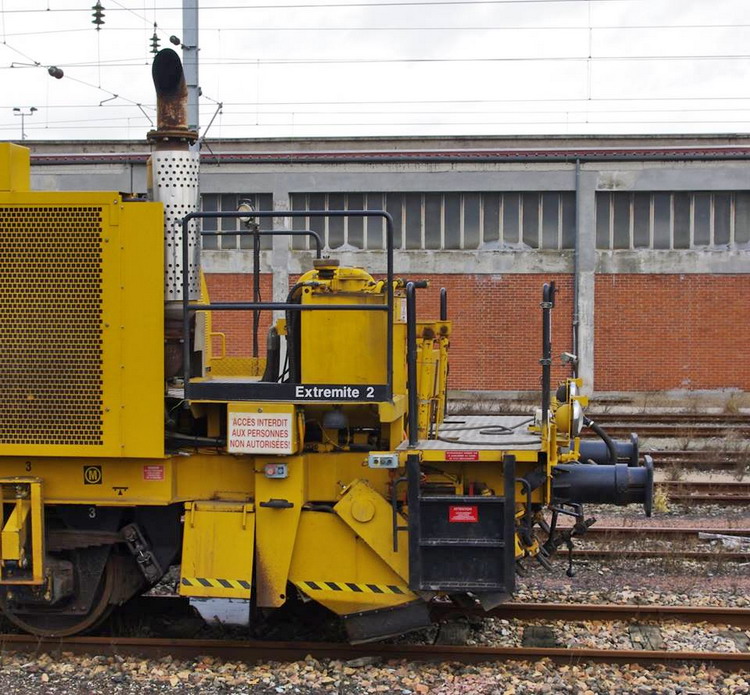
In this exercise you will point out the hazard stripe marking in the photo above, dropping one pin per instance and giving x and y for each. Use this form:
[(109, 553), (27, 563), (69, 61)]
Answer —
[(353, 587), (216, 583)]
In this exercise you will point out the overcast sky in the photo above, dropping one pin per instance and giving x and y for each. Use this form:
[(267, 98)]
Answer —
[(386, 67)]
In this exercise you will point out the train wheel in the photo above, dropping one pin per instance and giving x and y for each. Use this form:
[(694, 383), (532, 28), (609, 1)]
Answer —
[(48, 622)]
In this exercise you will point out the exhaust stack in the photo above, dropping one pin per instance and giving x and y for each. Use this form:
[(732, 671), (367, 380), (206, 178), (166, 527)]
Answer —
[(173, 177)]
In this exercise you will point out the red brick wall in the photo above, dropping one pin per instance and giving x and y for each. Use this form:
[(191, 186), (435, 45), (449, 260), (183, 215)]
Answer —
[(653, 332), (656, 332), (237, 325), (497, 324), (497, 328)]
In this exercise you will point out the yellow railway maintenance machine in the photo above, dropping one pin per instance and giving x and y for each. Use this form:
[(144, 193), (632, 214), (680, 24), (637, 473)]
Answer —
[(326, 470)]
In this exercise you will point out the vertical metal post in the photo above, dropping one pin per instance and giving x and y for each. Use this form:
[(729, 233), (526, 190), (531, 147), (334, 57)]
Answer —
[(388, 299), (190, 61), (413, 475), (509, 521), (256, 286), (548, 301), (411, 361), (576, 281), (443, 304)]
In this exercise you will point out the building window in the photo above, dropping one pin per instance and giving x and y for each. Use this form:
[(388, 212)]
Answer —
[(212, 202), (672, 220), (443, 221)]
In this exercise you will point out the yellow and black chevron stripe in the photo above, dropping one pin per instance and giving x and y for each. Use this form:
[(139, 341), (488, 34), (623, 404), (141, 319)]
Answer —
[(210, 582), (355, 588)]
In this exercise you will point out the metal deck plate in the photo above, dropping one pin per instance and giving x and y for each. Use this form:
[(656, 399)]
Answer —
[(478, 432)]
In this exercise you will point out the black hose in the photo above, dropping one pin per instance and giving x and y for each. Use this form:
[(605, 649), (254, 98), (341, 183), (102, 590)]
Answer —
[(604, 437), (181, 439), (273, 354), (292, 333)]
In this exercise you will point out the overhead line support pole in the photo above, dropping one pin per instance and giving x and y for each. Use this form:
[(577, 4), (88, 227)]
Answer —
[(190, 62)]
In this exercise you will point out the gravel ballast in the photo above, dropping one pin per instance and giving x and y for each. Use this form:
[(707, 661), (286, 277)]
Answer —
[(73, 675)]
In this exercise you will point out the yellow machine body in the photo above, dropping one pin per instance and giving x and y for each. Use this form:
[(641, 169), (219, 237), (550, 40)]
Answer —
[(81, 321), (321, 494)]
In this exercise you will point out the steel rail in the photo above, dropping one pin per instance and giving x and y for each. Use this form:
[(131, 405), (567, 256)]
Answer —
[(651, 531), (657, 429), (253, 651), (730, 492), (627, 554), (687, 454), (666, 418), (714, 615)]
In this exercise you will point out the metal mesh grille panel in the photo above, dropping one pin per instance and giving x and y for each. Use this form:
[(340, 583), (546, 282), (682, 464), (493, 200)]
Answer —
[(50, 325)]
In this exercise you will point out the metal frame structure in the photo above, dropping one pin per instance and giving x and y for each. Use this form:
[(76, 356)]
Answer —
[(278, 391)]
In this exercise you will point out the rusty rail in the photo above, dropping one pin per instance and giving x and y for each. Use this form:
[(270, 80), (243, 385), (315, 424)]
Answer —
[(714, 615), (253, 651)]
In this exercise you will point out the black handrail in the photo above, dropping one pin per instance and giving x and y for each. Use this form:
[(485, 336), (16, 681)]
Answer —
[(411, 362), (548, 303), (273, 232), (257, 234), (188, 309)]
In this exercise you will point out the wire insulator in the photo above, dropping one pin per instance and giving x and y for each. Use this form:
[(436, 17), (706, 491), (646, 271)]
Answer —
[(98, 15)]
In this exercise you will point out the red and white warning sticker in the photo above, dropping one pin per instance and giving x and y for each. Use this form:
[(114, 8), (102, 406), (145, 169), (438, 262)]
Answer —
[(259, 433), (463, 514), (461, 455), (154, 472)]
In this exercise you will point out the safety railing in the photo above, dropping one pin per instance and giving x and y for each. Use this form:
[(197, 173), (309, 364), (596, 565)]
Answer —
[(286, 391)]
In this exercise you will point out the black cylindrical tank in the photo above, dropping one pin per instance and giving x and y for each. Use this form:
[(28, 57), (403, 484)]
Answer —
[(604, 484), (597, 451)]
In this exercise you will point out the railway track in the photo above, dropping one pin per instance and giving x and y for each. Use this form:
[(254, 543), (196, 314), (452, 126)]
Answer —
[(672, 418), (694, 430), (714, 615), (661, 531), (627, 554), (618, 534), (256, 650), (727, 492), (707, 459)]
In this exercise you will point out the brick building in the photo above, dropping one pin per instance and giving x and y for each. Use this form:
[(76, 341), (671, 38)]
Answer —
[(647, 238)]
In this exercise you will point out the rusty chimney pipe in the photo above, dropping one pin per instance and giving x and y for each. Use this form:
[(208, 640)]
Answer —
[(171, 131), (173, 175)]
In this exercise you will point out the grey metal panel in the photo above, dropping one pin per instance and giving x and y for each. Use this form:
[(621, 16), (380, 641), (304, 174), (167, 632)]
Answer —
[(482, 433)]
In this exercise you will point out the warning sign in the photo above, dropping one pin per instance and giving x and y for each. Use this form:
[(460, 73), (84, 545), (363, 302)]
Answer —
[(259, 433), (467, 514), (461, 455), (155, 472)]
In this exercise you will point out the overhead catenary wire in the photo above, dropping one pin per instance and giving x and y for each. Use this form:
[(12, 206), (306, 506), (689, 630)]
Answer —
[(330, 5), (121, 62), (318, 28), (347, 124), (549, 111)]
